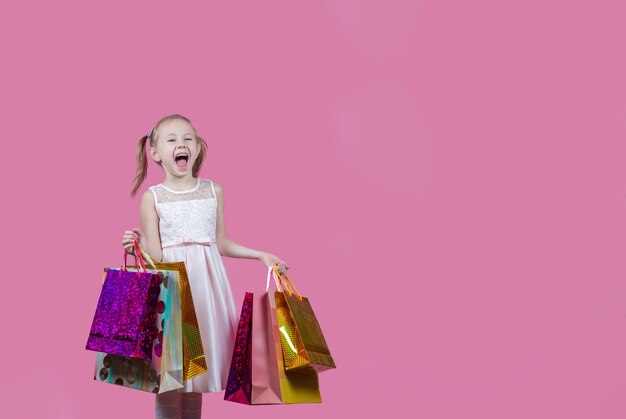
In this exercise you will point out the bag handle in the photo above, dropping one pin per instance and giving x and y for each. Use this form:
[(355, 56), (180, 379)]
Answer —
[(287, 284), (151, 259), (144, 255), (267, 282), (270, 270), (137, 263), (139, 259)]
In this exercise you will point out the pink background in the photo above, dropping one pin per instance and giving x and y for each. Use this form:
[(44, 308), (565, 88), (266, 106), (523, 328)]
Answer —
[(444, 178)]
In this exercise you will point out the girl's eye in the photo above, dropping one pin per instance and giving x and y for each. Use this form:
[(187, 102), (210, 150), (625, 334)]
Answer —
[(188, 138), (171, 139)]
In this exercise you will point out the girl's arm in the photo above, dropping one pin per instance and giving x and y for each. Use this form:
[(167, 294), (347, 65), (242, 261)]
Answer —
[(229, 248), (150, 226)]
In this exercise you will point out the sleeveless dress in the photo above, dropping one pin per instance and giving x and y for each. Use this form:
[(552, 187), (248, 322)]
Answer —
[(187, 224)]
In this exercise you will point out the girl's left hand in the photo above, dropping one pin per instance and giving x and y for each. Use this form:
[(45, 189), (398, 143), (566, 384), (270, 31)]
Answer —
[(269, 259)]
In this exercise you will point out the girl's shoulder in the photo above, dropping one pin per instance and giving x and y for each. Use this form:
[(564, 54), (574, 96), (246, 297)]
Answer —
[(155, 187), (211, 187), (208, 181)]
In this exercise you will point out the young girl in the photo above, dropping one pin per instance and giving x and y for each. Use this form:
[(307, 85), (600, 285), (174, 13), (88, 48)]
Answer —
[(182, 219)]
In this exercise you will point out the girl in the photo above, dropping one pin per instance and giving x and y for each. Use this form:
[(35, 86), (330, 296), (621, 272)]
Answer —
[(182, 219)]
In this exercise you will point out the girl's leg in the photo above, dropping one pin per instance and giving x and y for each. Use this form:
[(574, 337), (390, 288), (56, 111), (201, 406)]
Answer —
[(191, 405), (167, 405)]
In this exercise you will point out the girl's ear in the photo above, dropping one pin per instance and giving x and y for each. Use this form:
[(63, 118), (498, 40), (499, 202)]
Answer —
[(155, 155)]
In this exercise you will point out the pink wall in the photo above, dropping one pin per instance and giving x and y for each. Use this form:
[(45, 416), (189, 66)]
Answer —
[(445, 179)]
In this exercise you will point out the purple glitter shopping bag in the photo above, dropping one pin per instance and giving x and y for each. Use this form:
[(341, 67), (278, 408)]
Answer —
[(239, 384), (125, 319), (166, 370)]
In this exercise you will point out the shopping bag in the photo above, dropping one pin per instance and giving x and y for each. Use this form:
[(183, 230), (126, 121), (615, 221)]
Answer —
[(295, 386), (302, 341), (265, 376), (257, 373), (239, 384), (193, 352), (165, 371), (124, 321)]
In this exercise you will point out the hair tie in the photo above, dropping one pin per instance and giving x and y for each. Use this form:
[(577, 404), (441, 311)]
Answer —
[(149, 133)]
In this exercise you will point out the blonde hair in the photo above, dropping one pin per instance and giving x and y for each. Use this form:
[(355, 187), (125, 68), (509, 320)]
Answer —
[(142, 158)]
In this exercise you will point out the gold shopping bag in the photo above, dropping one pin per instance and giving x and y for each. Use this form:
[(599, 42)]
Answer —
[(295, 386), (193, 352), (302, 341)]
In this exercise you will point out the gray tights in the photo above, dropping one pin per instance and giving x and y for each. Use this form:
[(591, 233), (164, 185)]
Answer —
[(176, 405)]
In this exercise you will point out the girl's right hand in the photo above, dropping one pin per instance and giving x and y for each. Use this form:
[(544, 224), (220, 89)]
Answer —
[(133, 235)]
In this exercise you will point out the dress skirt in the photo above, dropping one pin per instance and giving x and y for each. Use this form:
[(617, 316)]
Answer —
[(215, 309)]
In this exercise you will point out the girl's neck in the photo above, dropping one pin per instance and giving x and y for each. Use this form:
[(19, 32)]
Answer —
[(180, 184)]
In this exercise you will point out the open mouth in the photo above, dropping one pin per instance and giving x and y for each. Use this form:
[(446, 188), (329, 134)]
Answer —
[(181, 158)]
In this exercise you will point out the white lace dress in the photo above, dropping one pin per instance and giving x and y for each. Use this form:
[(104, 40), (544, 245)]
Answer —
[(187, 222)]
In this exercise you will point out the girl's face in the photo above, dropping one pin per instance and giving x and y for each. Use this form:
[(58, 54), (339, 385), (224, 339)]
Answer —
[(176, 147)]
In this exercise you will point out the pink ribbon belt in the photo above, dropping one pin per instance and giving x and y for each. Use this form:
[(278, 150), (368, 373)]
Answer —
[(186, 242)]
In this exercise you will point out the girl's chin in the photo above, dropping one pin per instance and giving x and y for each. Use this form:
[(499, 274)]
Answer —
[(172, 168)]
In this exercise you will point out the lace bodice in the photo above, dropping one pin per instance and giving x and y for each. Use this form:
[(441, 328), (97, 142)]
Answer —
[(186, 216)]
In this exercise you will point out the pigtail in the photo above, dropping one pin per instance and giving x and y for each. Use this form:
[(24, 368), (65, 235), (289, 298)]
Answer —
[(201, 155), (142, 165)]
